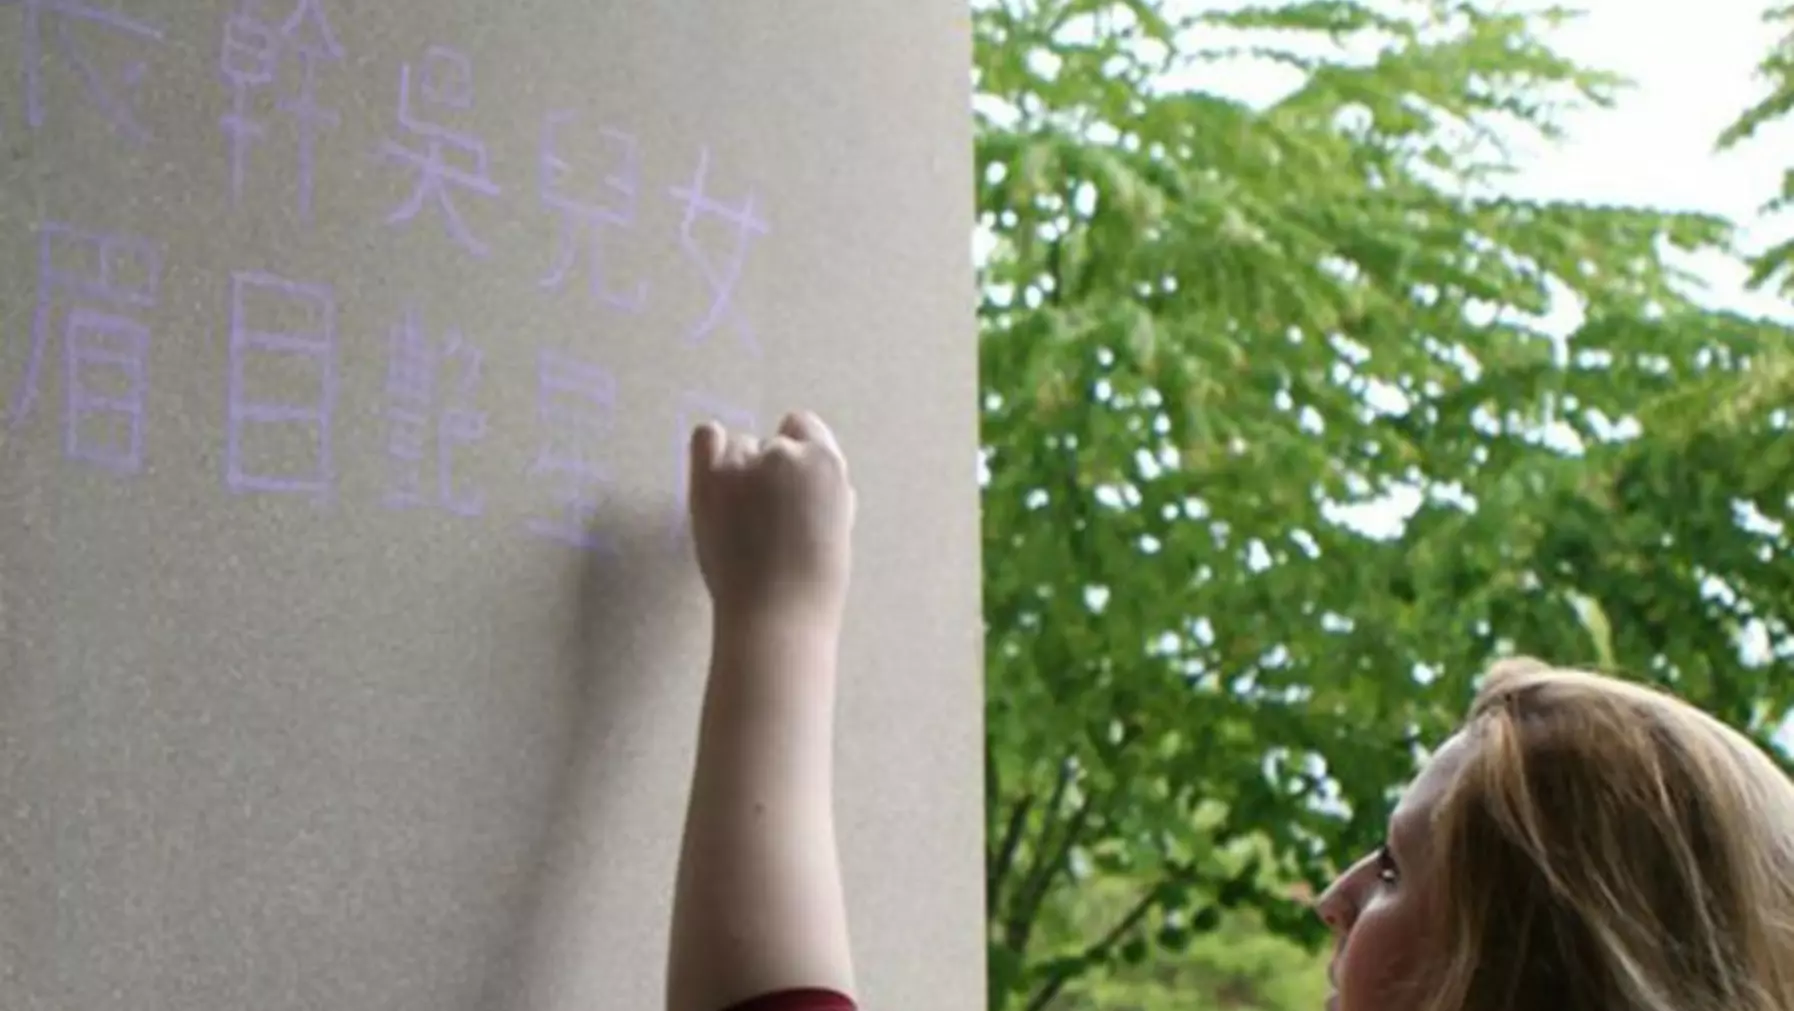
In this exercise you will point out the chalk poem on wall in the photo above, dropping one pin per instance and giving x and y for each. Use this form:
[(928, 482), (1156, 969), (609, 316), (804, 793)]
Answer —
[(445, 162), (442, 85), (111, 281), (693, 410), (446, 165), (116, 99), (251, 54), (576, 408), (722, 274), (279, 430), (582, 221), (98, 291), (424, 413), (265, 334)]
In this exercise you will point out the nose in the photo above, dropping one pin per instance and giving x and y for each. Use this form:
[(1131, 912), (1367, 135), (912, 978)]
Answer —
[(1335, 906)]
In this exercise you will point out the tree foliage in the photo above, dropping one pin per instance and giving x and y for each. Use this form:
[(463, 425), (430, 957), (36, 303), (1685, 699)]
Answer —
[(1213, 335), (1773, 267), (1234, 964)]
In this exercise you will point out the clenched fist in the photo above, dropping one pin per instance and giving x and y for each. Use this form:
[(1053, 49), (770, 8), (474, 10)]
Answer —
[(773, 519)]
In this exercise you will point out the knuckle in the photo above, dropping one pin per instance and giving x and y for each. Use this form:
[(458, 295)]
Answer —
[(782, 452)]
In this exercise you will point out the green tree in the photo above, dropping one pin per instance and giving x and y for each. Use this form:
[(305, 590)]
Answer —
[(1234, 964), (1211, 331)]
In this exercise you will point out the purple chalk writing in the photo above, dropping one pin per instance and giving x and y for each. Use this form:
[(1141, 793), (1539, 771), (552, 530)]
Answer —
[(250, 57), (584, 219), (116, 99), (576, 404), (410, 403), (111, 281), (445, 85), (97, 343), (416, 409), (693, 410), (274, 319), (722, 273)]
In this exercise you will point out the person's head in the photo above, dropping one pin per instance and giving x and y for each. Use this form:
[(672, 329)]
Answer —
[(1582, 844)]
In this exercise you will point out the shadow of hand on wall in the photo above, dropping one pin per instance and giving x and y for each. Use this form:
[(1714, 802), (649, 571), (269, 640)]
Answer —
[(632, 602)]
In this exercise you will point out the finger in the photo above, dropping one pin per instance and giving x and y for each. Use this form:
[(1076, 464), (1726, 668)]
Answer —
[(707, 442), (807, 427)]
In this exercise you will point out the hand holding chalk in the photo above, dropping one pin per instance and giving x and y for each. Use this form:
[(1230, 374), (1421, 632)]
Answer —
[(773, 519)]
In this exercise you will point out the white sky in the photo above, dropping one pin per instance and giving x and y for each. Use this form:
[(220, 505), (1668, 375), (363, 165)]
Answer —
[(1692, 64), (1693, 67)]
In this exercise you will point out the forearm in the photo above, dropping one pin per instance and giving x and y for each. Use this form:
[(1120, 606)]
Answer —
[(759, 905)]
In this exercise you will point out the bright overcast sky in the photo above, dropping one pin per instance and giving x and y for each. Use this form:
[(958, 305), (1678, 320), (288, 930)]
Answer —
[(1693, 67)]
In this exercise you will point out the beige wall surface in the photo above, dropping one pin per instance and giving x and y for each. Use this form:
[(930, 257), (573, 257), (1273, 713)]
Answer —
[(349, 650)]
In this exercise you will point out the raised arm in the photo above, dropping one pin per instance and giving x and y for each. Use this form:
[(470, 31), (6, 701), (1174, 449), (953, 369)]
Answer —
[(759, 913)]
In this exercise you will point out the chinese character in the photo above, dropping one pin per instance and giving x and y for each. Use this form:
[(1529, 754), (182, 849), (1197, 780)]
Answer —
[(721, 274), (274, 322), (577, 405), (447, 83), (589, 218), (412, 366), (695, 409), (117, 280), (115, 103), (96, 342), (249, 59)]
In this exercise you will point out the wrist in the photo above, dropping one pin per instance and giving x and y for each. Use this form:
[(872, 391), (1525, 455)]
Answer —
[(775, 662), (770, 620)]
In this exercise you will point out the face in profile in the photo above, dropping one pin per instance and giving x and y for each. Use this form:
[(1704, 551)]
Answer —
[(1377, 909), (1544, 855)]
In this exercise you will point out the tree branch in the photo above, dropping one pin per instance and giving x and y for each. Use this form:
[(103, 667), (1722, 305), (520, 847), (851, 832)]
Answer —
[(1114, 936), (1002, 860), (1055, 860), (1052, 864), (1018, 925)]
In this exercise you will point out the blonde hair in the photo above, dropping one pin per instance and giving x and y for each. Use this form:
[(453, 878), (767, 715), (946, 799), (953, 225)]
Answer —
[(1607, 847)]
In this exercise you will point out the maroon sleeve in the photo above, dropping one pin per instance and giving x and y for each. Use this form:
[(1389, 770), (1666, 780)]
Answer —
[(799, 1000)]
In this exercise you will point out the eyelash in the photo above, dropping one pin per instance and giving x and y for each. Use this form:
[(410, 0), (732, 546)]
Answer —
[(1386, 869)]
